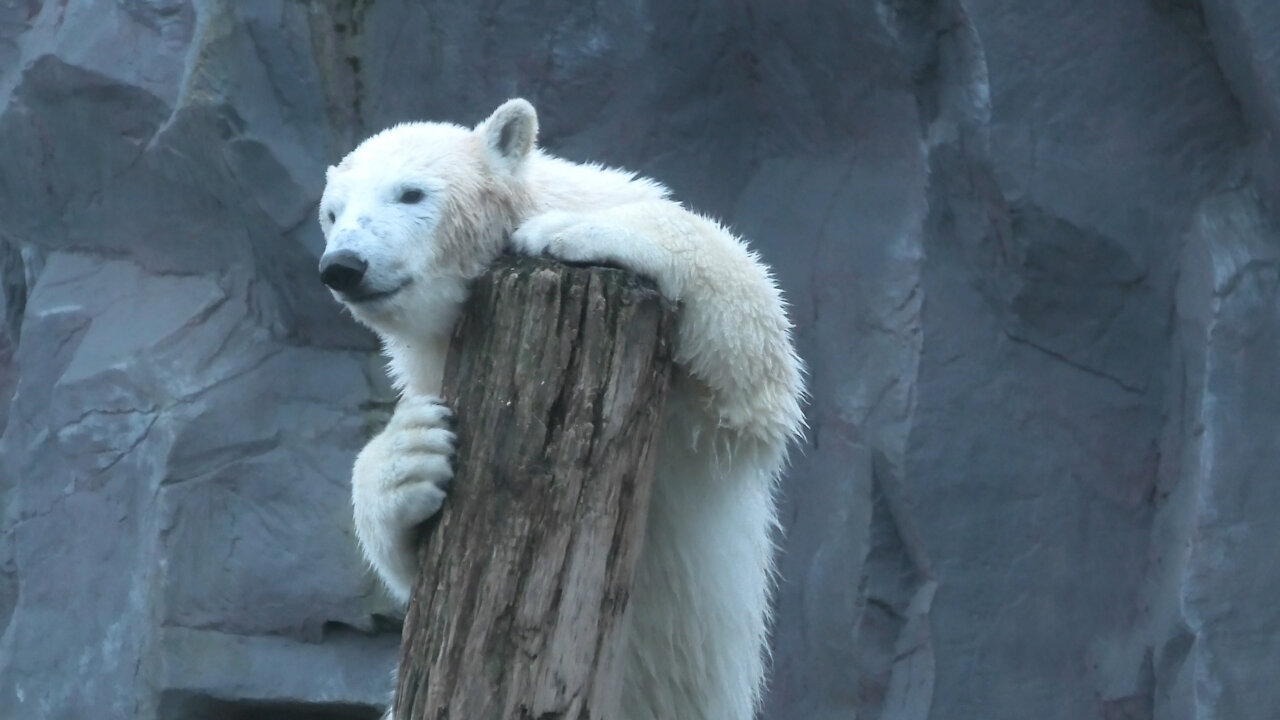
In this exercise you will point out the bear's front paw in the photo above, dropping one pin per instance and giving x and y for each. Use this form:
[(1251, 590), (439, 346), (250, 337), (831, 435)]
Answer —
[(572, 238), (400, 479), (417, 461), (534, 236)]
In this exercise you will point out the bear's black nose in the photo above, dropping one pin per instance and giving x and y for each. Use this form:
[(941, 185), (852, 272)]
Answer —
[(342, 270)]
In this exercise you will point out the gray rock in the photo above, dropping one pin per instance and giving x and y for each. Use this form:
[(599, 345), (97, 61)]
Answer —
[(1031, 250), (1213, 575)]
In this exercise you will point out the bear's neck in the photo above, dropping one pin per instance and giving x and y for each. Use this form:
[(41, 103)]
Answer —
[(417, 367), (416, 343)]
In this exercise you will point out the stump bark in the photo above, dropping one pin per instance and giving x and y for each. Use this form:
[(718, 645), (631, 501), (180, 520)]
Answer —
[(557, 376)]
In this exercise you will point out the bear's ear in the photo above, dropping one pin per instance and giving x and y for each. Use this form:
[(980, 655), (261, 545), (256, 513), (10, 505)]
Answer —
[(508, 133)]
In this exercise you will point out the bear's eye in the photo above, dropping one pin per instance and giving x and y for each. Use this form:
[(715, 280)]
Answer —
[(412, 196), (332, 217)]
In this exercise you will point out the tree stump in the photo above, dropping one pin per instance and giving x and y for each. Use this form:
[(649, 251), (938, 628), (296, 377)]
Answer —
[(558, 376)]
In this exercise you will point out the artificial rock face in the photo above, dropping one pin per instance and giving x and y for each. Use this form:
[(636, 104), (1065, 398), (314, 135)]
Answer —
[(1030, 258)]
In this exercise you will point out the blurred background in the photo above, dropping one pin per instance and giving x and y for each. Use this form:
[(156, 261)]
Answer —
[(1031, 248)]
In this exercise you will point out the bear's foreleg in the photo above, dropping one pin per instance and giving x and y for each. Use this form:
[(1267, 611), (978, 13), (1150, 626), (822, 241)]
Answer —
[(399, 480), (734, 335)]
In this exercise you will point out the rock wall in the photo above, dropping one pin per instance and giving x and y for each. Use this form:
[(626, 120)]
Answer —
[(1032, 248)]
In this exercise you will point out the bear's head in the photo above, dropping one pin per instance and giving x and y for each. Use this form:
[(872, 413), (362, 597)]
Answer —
[(418, 210)]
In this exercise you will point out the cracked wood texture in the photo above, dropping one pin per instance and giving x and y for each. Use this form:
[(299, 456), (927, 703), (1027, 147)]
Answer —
[(558, 376)]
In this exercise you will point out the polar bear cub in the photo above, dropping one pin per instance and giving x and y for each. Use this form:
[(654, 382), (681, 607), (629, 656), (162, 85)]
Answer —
[(419, 210)]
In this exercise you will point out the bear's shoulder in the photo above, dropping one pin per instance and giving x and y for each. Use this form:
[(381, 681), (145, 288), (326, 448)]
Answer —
[(562, 183)]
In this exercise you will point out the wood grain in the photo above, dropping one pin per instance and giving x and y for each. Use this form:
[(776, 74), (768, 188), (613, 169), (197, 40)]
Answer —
[(557, 376)]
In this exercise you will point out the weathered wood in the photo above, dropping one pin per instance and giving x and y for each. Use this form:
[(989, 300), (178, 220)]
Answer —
[(557, 376)]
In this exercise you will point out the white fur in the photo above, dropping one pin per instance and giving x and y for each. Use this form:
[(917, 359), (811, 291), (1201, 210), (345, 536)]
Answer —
[(700, 608)]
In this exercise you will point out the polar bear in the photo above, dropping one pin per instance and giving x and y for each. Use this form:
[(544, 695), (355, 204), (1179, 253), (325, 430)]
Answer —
[(416, 212)]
